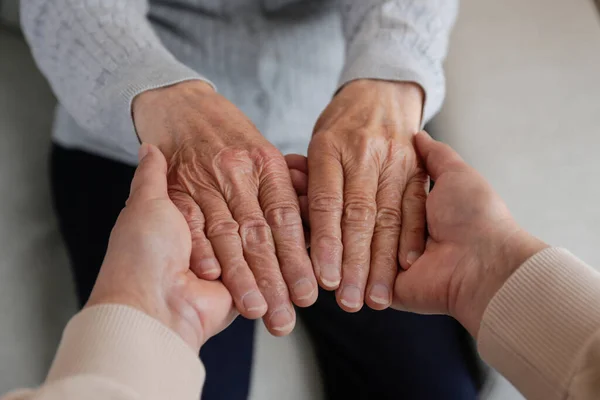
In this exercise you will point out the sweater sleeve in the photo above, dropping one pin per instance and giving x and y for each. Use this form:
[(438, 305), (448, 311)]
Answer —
[(98, 55), (117, 352), (399, 40), (542, 329)]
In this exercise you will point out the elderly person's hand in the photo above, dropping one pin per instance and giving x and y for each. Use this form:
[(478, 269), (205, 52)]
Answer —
[(366, 191), (234, 189), (147, 264), (474, 243)]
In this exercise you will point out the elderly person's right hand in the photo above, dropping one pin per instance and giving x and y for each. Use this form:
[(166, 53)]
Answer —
[(235, 191), (474, 243)]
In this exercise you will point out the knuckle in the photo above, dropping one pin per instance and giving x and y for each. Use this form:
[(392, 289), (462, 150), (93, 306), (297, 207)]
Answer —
[(325, 202), (233, 271), (197, 231), (323, 142), (222, 226), (418, 197), (272, 285), (328, 242), (267, 157), (233, 159), (397, 151), (389, 217), (254, 231), (283, 216), (360, 211)]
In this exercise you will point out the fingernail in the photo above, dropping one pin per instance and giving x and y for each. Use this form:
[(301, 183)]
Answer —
[(351, 297), (330, 276), (253, 301), (143, 151), (282, 320), (303, 289), (209, 266), (380, 294), (412, 257)]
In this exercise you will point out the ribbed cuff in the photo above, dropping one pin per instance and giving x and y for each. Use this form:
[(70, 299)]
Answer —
[(387, 59), (126, 346), (535, 328), (154, 70)]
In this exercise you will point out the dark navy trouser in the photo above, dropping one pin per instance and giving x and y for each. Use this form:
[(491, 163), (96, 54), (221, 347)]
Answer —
[(368, 355)]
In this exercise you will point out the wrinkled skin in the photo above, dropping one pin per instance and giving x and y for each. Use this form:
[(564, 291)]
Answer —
[(235, 191), (366, 191)]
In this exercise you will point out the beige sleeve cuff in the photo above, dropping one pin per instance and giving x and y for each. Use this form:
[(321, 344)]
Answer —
[(538, 326), (129, 348)]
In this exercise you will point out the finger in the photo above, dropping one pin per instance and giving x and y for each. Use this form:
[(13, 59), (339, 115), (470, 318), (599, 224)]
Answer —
[(299, 182), (303, 200), (437, 157), (213, 304), (281, 208), (325, 201), (297, 161), (424, 287), (259, 252), (412, 239), (386, 237), (223, 232), (358, 223), (203, 261), (150, 179)]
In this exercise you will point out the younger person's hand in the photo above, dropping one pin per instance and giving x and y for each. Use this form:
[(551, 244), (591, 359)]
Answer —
[(147, 265), (474, 243)]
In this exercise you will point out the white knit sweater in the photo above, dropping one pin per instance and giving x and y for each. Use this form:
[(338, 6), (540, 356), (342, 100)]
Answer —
[(279, 61)]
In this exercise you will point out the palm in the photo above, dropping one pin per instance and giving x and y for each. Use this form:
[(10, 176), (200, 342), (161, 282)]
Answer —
[(461, 207)]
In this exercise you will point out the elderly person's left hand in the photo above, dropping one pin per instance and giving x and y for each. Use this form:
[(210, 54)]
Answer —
[(147, 264), (366, 191)]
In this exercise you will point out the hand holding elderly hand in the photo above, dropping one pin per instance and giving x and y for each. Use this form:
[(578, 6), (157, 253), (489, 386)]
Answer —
[(147, 264), (474, 243), (365, 198)]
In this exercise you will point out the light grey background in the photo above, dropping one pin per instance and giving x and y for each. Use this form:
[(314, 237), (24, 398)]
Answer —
[(523, 107)]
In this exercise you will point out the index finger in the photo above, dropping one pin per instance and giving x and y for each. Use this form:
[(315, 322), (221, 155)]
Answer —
[(325, 202)]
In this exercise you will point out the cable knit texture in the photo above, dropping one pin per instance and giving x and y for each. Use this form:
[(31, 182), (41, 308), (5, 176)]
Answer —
[(278, 60)]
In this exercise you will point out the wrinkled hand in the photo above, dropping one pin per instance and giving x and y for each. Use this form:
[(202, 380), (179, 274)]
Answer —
[(474, 243), (147, 262), (366, 191), (235, 191)]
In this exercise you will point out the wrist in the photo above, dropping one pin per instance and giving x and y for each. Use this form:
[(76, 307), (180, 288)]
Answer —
[(406, 98), (496, 264), (172, 311), (155, 111)]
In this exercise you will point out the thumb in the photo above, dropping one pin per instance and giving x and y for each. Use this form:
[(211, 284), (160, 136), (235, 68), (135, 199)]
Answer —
[(214, 305), (437, 156), (150, 179)]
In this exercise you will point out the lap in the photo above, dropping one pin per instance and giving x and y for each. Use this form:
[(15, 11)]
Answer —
[(365, 355), (390, 354)]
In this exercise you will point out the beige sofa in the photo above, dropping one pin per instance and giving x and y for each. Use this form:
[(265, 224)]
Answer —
[(523, 107)]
